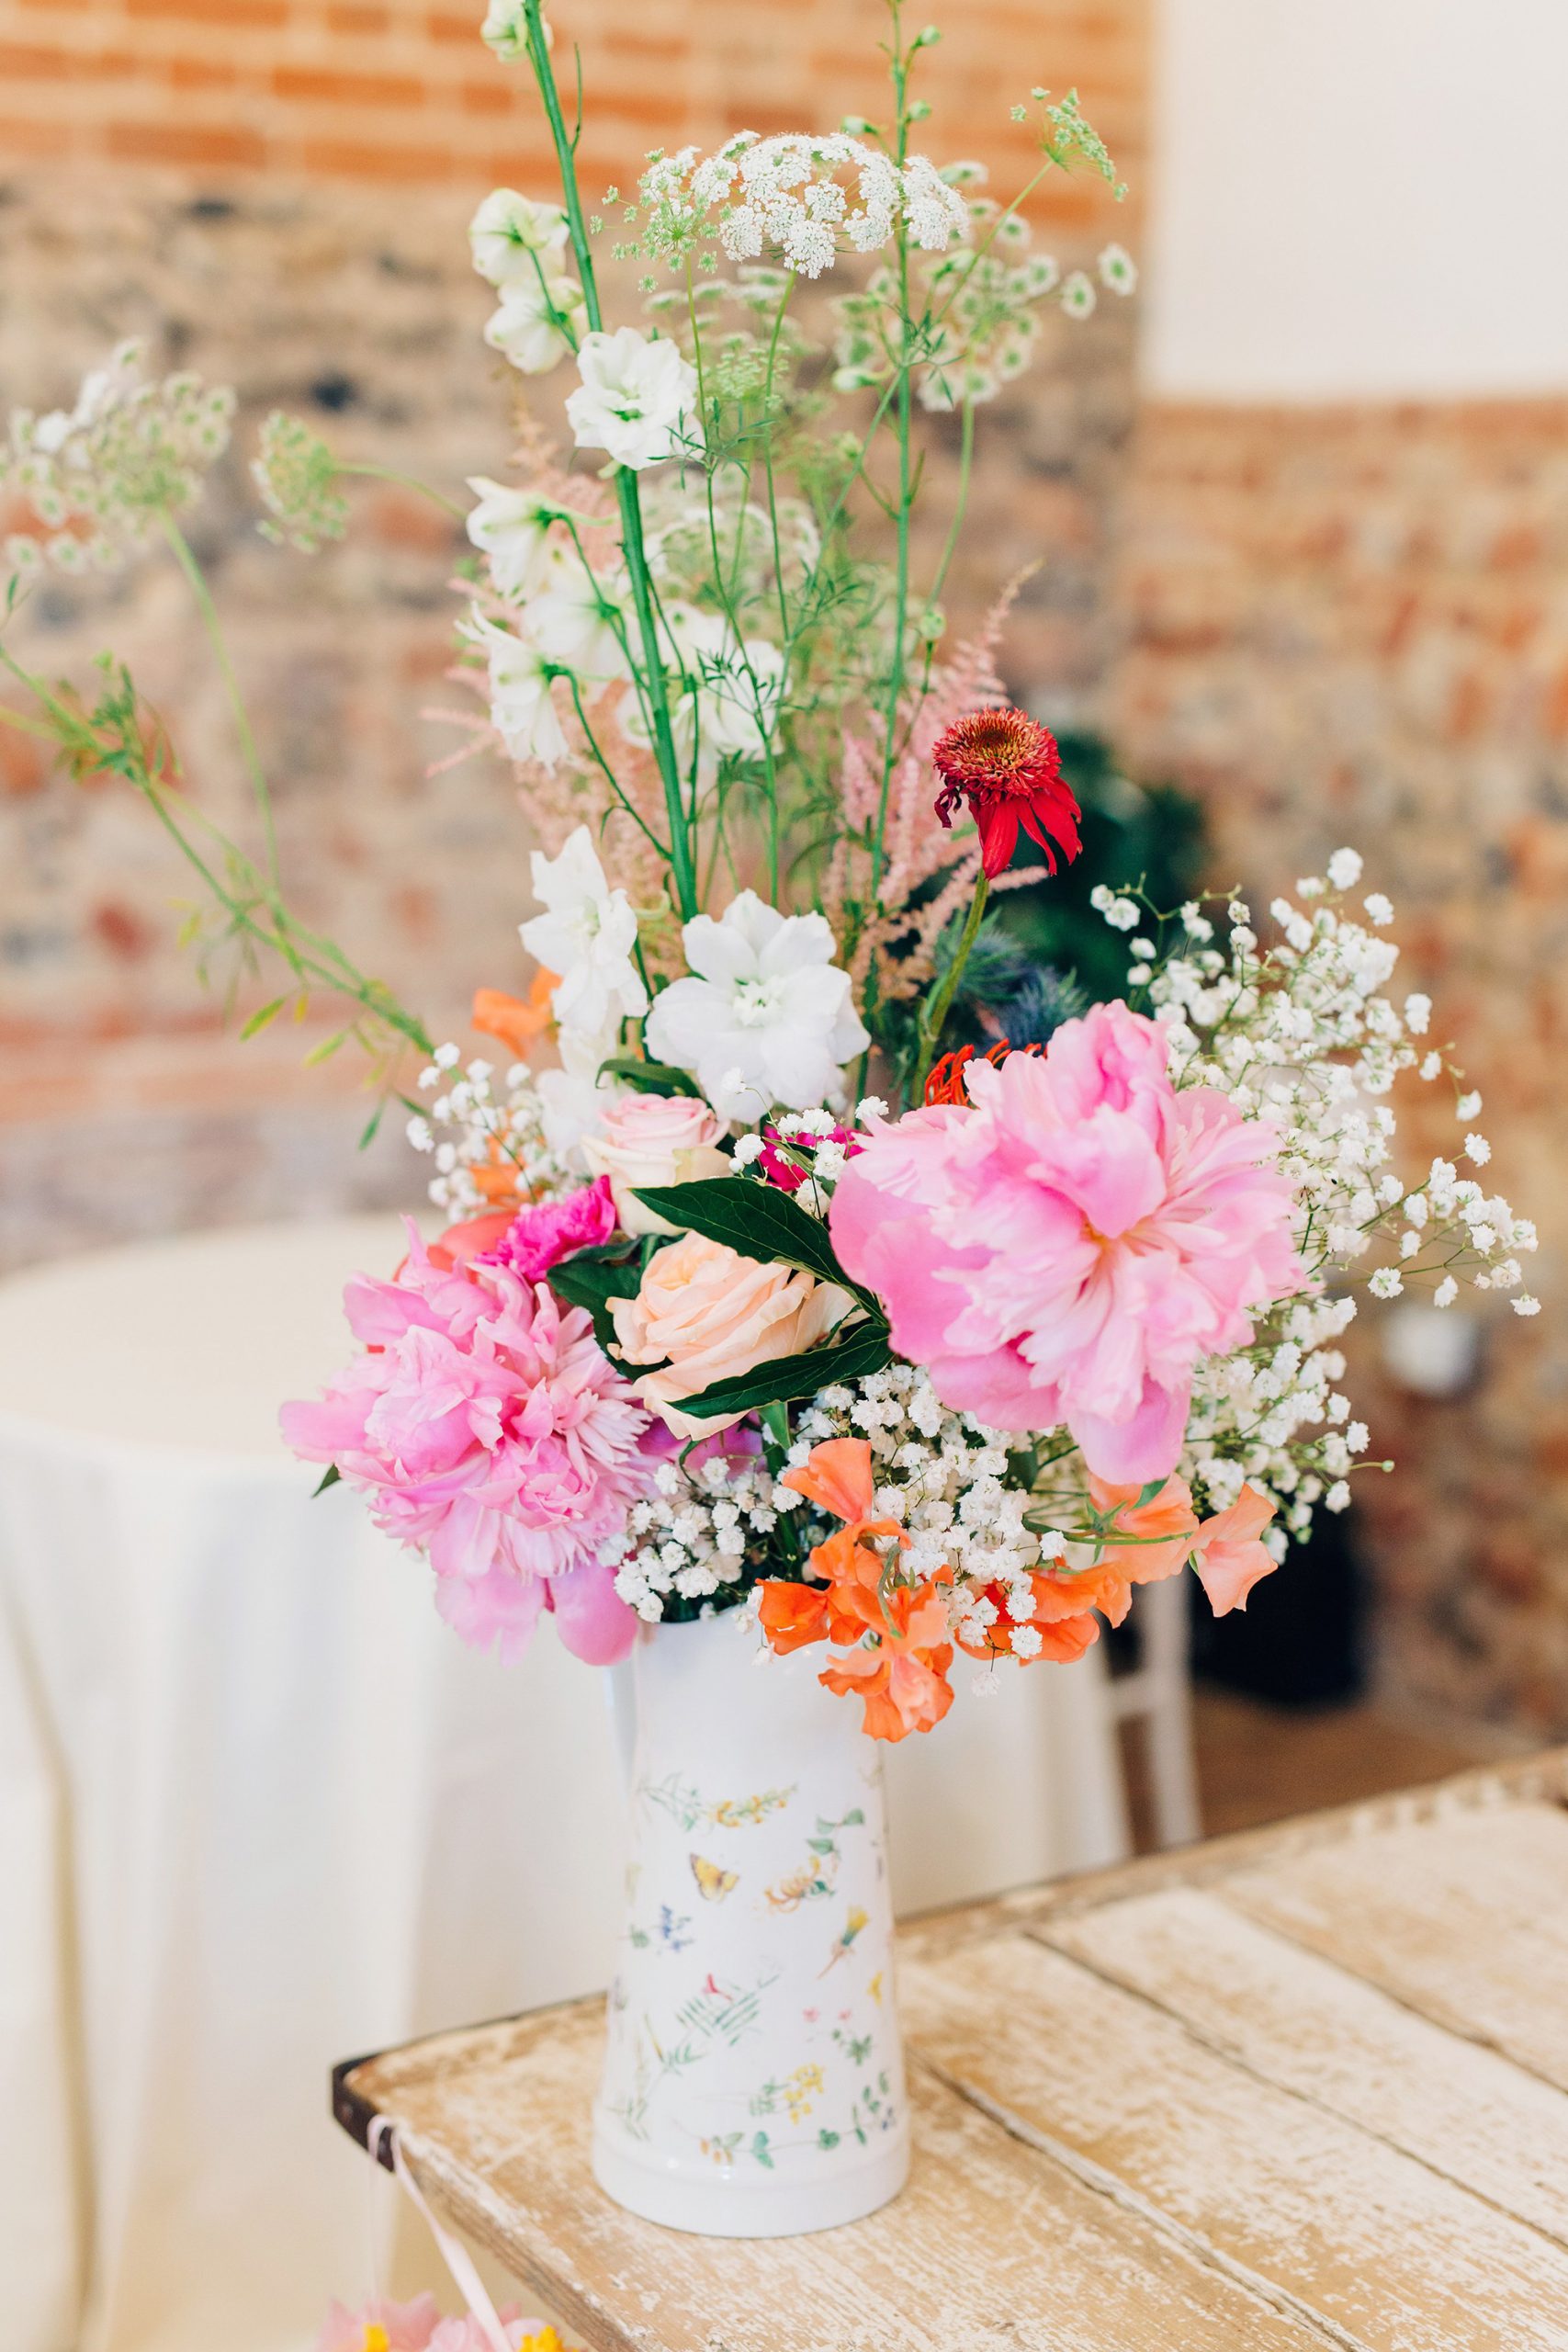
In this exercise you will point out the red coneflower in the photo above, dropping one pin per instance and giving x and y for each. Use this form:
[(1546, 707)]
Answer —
[(1008, 769)]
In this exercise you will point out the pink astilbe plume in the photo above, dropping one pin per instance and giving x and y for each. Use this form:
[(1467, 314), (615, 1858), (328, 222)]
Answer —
[(1070, 1245), (916, 850), (490, 1430)]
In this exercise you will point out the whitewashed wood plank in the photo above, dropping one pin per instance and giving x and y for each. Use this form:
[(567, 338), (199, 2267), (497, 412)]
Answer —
[(1303, 2022), (1400, 2259), (1465, 1916), (993, 2247)]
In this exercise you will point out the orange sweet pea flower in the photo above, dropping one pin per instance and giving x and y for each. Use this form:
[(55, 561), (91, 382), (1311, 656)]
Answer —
[(792, 1615), (902, 1680), (518, 1021), (837, 1477), (1161, 1532), (903, 1683), (1229, 1557)]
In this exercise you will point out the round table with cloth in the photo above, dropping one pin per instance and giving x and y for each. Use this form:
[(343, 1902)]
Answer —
[(260, 1811)]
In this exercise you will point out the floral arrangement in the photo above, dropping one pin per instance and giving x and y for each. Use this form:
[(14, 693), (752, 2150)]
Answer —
[(762, 1286)]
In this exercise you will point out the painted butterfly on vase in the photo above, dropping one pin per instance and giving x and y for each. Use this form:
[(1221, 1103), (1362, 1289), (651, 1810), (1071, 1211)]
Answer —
[(713, 1882)]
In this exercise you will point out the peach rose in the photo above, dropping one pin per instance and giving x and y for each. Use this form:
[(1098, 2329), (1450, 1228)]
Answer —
[(653, 1140), (713, 1315)]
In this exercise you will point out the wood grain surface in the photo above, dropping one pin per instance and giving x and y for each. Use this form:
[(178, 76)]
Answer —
[(1298, 2089)]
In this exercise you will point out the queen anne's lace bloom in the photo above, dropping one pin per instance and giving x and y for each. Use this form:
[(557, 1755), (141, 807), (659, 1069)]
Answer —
[(785, 196)]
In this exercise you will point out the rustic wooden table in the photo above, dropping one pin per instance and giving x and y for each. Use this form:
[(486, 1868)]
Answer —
[(1302, 2087)]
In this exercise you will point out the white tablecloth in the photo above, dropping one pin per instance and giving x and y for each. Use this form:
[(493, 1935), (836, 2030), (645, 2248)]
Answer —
[(260, 1811)]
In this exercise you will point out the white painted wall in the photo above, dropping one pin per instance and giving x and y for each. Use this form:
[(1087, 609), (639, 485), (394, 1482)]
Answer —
[(1358, 197)]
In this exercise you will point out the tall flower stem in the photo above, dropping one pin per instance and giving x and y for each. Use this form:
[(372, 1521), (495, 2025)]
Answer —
[(941, 998), (185, 556), (683, 866), (899, 60)]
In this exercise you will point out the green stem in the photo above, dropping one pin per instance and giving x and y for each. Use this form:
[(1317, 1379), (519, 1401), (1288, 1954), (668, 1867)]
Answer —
[(900, 65), (682, 865), (941, 998), (407, 481), (186, 559)]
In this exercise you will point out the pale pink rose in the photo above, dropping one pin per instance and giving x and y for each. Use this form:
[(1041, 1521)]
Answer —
[(488, 1428), (1228, 1556), (653, 1140), (713, 1315), (1070, 1246)]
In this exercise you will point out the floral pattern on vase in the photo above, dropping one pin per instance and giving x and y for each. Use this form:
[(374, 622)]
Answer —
[(753, 2079)]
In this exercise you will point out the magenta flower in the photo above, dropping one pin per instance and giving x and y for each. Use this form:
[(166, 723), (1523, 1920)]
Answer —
[(1068, 1248), (540, 1238), (490, 1431), (788, 1175)]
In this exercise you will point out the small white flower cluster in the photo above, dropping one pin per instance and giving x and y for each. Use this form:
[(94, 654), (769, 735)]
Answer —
[(785, 196), (942, 1477), (1272, 1417), (693, 1539), (982, 307), (1302, 1033), (470, 1127), (100, 476)]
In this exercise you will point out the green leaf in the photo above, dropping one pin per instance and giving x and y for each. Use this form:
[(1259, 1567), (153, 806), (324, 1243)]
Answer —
[(258, 1021), (649, 1077), (756, 1220), (784, 1378), (331, 1476), (591, 1279), (326, 1049), (372, 1125)]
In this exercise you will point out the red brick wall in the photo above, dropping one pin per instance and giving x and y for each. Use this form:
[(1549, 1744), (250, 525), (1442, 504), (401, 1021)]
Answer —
[(402, 91), (1352, 624), (274, 192)]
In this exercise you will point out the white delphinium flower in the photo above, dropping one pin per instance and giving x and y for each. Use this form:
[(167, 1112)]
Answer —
[(520, 706), (578, 618), (767, 1016), (539, 321), (514, 238), (506, 30), (588, 935), (634, 399), (510, 529), (735, 685), (572, 1098)]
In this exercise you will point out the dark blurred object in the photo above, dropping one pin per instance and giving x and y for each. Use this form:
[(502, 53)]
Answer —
[(1132, 833), (1301, 1640), (1043, 954)]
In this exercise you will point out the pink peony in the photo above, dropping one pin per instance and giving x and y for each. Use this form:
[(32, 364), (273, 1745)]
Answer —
[(491, 1431), (1071, 1247)]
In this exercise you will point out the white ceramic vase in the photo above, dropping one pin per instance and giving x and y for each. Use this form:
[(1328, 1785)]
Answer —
[(753, 2079)]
